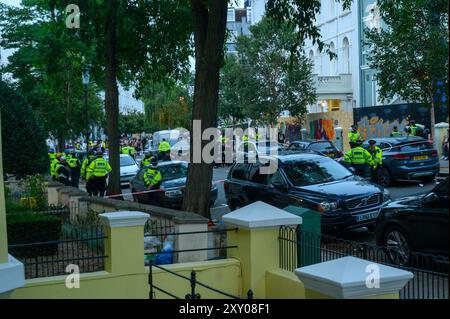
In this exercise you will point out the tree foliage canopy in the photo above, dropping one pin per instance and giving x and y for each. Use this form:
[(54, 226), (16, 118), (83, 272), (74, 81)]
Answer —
[(46, 65), (24, 147), (410, 53), (265, 79)]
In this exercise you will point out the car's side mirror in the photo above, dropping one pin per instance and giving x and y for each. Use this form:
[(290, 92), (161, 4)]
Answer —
[(352, 169), (431, 198), (279, 186)]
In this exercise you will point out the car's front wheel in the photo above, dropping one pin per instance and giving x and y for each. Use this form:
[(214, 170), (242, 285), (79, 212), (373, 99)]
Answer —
[(384, 178), (235, 205), (428, 179), (397, 247)]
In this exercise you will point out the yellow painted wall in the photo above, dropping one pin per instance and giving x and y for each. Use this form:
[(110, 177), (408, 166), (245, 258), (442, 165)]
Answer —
[(258, 252), (96, 285), (220, 274), (283, 284), (224, 275)]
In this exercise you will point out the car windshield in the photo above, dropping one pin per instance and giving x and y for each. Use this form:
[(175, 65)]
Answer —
[(303, 173), (126, 161), (173, 171)]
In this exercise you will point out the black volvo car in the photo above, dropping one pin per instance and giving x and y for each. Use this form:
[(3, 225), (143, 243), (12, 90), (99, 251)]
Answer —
[(311, 181)]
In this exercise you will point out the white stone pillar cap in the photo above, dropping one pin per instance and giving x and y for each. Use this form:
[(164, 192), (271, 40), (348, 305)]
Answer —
[(441, 125), (260, 215), (12, 275), (124, 219), (351, 277)]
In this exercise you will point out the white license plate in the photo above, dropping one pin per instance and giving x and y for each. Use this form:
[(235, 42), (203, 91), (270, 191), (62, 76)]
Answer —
[(366, 216)]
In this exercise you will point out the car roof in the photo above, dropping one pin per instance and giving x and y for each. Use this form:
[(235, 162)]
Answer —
[(397, 140), (287, 156), (310, 141)]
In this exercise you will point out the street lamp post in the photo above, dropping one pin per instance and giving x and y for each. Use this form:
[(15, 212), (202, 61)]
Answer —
[(85, 77)]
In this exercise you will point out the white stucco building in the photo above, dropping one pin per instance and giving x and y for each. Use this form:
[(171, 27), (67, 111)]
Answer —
[(337, 80)]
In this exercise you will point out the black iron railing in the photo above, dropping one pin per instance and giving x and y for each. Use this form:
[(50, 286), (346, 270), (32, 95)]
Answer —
[(193, 294), (79, 246), (299, 248)]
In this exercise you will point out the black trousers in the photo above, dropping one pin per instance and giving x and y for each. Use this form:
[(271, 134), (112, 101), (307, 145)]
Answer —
[(64, 180), (98, 186), (89, 187), (375, 174), (75, 177), (361, 169)]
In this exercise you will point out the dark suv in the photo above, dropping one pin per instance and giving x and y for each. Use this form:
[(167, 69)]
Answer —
[(406, 158), (312, 181)]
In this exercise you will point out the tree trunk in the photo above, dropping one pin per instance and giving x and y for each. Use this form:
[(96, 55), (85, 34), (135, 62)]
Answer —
[(209, 35), (112, 98), (432, 121), (61, 142)]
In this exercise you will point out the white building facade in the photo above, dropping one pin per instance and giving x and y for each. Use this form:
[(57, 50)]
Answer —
[(337, 80)]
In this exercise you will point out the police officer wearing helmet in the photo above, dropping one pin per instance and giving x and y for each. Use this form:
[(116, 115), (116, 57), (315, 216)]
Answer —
[(62, 171), (395, 132), (87, 161), (377, 159), (354, 135), (75, 169), (358, 158), (147, 159), (164, 150), (53, 162), (97, 172), (152, 178)]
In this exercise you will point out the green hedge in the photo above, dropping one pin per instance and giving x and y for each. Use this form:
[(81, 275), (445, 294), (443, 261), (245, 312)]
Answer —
[(28, 227)]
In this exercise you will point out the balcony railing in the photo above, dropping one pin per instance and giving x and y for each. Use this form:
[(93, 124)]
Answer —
[(337, 84)]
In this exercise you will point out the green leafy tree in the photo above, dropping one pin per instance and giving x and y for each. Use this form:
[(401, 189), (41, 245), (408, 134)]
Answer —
[(47, 66), (410, 54), (132, 122), (167, 105), (135, 42), (237, 91), (282, 81), (23, 139)]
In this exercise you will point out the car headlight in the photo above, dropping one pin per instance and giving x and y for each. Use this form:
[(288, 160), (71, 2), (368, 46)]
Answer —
[(386, 195), (173, 193), (327, 206)]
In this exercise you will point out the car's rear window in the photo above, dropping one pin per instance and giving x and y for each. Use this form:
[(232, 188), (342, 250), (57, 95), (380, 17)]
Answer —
[(414, 147), (239, 172), (321, 146)]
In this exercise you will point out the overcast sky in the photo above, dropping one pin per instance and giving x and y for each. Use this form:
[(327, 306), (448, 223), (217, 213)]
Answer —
[(11, 2)]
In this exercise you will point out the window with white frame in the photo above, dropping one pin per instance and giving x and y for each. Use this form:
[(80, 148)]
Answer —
[(331, 8), (345, 56), (333, 60), (231, 15)]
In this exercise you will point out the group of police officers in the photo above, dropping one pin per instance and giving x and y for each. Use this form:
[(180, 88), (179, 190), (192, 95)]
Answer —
[(361, 159), (68, 169)]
